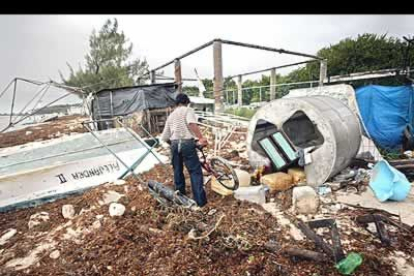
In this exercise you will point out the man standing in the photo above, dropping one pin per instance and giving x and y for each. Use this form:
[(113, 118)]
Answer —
[(180, 129)]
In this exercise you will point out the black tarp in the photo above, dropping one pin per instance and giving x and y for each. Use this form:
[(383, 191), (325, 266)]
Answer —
[(123, 101)]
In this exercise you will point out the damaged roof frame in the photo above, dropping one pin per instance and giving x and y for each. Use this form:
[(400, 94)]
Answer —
[(218, 80), (241, 44), (69, 90)]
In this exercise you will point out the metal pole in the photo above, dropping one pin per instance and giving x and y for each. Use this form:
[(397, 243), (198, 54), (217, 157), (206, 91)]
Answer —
[(32, 99), (281, 51), (7, 87), (218, 76), (40, 98), (171, 78), (27, 116), (111, 151), (149, 149), (277, 67), (185, 55), (14, 98)]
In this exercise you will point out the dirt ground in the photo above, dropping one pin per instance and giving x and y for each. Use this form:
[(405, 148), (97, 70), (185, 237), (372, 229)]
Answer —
[(61, 126), (226, 237)]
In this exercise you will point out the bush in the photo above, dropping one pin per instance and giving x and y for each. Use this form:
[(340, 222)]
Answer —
[(242, 112)]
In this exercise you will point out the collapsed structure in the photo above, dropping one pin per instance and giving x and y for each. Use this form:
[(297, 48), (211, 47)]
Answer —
[(149, 104), (267, 228)]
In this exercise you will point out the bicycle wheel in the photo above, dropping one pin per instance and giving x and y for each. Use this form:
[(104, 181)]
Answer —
[(224, 173)]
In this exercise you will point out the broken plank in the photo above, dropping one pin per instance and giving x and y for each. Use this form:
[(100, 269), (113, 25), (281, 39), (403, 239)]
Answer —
[(308, 232), (304, 254)]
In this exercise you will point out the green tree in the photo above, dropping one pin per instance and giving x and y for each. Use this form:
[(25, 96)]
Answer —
[(364, 53), (208, 84), (109, 63), (191, 90)]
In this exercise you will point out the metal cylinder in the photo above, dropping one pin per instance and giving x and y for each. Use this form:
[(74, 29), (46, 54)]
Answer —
[(324, 125)]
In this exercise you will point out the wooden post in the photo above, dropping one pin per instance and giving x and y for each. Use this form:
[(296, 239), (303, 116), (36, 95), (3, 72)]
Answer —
[(323, 72), (239, 91), (153, 79), (260, 94), (272, 84), (177, 75), (218, 77)]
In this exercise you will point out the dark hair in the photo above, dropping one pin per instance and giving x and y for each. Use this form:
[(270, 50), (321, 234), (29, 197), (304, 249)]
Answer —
[(182, 99)]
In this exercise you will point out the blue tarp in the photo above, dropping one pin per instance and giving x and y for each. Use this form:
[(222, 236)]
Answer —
[(386, 112)]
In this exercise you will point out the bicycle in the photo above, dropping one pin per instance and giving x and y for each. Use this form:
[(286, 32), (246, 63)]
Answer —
[(219, 168)]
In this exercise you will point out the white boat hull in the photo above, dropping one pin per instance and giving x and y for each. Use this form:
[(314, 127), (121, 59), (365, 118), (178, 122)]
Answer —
[(61, 177)]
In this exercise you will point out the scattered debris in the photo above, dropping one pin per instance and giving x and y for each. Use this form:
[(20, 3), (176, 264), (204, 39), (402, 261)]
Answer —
[(109, 197), (348, 265), (220, 189), (116, 210), (55, 254), (119, 182), (305, 200), (388, 183), (305, 254), (32, 258), (404, 267), (229, 236), (243, 177), (7, 236), (68, 211), (378, 220), (168, 196), (96, 224), (38, 219), (255, 194), (334, 251), (64, 125)]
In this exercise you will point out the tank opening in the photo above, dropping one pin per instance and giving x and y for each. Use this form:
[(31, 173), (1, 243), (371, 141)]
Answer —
[(263, 129), (302, 132), (273, 145)]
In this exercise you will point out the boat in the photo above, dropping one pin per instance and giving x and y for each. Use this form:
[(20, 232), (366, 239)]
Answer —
[(46, 170)]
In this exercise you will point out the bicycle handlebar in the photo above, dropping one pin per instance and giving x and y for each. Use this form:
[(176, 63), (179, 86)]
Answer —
[(200, 147)]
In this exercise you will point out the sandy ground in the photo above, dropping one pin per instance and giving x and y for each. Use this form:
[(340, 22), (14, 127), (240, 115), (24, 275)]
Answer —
[(367, 199)]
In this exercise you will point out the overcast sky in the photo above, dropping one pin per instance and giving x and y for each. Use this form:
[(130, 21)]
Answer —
[(37, 46)]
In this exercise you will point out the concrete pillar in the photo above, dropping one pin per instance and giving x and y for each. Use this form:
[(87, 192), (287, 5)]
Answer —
[(152, 76), (323, 72), (177, 75), (239, 91), (218, 77), (272, 84)]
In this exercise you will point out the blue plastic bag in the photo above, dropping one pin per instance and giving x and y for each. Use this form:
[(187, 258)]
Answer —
[(388, 183)]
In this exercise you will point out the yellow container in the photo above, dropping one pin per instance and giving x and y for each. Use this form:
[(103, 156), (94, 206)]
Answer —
[(298, 175), (278, 181)]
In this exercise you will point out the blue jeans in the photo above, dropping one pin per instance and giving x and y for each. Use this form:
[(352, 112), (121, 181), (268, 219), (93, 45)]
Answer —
[(187, 154)]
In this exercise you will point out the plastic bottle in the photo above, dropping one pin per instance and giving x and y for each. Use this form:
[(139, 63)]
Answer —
[(349, 264)]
